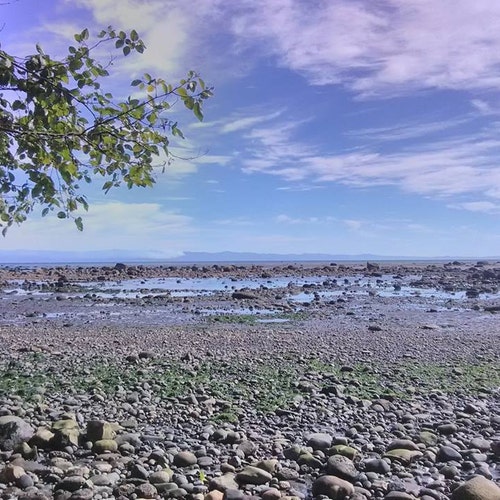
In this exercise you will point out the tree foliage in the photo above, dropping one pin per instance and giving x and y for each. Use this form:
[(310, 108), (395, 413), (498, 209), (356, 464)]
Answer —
[(59, 127)]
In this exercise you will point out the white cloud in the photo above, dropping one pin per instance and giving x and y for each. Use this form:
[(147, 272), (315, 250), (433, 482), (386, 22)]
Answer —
[(478, 206), (482, 106), (107, 226), (379, 47), (163, 25), (245, 122), (408, 130), (286, 219), (374, 48), (458, 165), (354, 224)]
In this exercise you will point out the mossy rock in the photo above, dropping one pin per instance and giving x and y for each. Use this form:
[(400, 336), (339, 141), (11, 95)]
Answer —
[(404, 456), (342, 449), (105, 445), (66, 432)]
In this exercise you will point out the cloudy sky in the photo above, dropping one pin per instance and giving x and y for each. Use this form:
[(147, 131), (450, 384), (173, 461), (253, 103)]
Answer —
[(337, 126)]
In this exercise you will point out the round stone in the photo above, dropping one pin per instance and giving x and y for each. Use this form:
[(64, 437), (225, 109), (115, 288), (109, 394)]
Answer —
[(185, 459)]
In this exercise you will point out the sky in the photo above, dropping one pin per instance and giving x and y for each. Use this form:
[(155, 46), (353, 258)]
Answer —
[(337, 126)]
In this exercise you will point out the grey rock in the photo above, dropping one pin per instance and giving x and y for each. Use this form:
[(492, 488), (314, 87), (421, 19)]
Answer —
[(480, 443), (25, 481), (13, 431), (233, 494), (185, 459), (71, 483), (110, 479), (319, 441), (83, 494), (398, 495), (342, 467), (137, 471), (448, 454), (161, 476), (402, 444), (447, 429), (253, 475), (247, 447), (377, 465), (224, 482), (146, 490)]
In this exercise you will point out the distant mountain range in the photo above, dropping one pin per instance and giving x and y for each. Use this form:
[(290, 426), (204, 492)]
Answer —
[(113, 256)]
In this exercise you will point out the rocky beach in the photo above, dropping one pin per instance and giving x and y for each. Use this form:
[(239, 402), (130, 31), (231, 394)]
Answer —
[(266, 381)]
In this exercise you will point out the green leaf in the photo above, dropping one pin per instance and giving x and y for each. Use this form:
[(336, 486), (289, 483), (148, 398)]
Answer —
[(189, 102), (119, 43), (197, 111), (45, 211), (79, 223), (84, 35), (18, 105), (61, 215), (136, 82), (134, 36), (126, 50)]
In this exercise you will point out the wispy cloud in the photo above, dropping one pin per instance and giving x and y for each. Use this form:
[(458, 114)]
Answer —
[(409, 130), (459, 165), (478, 206), (246, 122), (286, 219), (373, 48), (379, 47)]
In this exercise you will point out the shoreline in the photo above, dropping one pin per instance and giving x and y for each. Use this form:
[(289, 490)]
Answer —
[(385, 393)]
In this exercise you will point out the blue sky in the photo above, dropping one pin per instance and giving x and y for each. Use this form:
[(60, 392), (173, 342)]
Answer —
[(337, 126)]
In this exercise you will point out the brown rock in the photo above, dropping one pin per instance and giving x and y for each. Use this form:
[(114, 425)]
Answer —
[(214, 495), (333, 487), (477, 488)]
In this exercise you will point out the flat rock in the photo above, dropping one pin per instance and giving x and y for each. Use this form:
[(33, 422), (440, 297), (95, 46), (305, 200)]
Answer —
[(72, 483), (404, 456), (402, 444), (224, 482), (253, 475)]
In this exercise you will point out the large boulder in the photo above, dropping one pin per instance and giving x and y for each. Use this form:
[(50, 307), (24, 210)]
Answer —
[(66, 432), (99, 429), (13, 431), (333, 487), (477, 488), (342, 467)]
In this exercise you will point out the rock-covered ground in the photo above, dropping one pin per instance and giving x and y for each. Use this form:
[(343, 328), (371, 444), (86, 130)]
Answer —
[(353, 393)]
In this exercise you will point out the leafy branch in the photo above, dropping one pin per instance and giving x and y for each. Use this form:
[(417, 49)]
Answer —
[(59, 128)]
